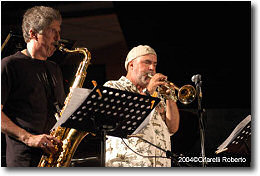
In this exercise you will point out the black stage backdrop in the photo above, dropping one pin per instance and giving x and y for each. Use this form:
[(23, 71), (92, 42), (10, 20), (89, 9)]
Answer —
[(208, 38)]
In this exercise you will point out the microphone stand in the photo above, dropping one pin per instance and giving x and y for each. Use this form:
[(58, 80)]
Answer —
[(198, 83)]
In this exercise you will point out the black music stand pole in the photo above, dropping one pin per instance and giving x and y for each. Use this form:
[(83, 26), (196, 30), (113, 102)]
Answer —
[(239, 141), (198, 83), (103, 148)]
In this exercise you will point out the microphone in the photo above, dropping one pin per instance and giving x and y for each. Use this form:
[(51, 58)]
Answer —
[(196, 78)]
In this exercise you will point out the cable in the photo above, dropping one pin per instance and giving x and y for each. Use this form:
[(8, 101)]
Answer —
[(168, 153), (141, 154)]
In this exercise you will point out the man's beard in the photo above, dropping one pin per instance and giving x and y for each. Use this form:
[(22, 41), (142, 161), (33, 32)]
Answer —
[(143, 79)]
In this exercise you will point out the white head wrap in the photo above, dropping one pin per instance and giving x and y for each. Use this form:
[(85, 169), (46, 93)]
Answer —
[(138, 51)]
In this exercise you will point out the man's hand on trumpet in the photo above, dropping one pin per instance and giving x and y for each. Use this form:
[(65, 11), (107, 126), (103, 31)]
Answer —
[(156, 80)]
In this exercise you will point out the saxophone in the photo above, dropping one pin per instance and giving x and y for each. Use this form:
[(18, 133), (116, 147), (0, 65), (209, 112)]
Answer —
[(70, 137)]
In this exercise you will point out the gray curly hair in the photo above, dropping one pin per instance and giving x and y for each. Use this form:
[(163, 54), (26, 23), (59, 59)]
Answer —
[(38, 18)]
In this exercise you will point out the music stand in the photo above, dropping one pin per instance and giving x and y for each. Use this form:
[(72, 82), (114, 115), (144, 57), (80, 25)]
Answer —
[(111, 111), (239, 141), (241, 144)]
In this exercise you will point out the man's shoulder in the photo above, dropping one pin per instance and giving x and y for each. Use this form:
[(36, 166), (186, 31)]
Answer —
[(16, 55), (112, 83), (115, 83), (12, 58)]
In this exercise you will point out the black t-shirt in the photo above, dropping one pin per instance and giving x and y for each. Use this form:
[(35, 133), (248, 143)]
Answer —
[(29, 89)]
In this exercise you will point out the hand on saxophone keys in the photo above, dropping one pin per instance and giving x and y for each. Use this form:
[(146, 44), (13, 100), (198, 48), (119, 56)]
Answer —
[(47, 143)]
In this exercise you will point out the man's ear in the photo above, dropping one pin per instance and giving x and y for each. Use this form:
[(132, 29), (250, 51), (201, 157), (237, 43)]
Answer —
[(33, 34), (130, 65)]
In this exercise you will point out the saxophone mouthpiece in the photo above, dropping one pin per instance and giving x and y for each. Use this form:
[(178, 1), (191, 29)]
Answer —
[(59, 45), (56, 44)]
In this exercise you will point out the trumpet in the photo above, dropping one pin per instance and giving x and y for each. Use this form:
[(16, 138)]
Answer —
[(186, 94)]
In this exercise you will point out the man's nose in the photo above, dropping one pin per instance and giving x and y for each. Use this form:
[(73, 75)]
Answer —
[(152, 67), (57, 36)]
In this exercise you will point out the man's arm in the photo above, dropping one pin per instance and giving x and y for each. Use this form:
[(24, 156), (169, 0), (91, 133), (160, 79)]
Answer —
[(172, 112), (172, 116), (11, 129)]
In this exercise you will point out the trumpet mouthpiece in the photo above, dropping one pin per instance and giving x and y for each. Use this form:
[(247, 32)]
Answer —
[(150, 75)]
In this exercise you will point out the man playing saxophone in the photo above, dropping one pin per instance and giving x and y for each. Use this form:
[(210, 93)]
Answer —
[(141, 62), (32, 90)]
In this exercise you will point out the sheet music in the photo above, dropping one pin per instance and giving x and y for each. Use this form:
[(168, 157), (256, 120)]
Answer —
[(144, 123), (234, 134), (78, 97)]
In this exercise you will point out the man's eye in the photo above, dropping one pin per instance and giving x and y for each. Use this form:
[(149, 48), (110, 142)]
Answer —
[(55, 31)]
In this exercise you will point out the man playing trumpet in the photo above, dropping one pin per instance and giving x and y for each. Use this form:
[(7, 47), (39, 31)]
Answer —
[(140, 64)]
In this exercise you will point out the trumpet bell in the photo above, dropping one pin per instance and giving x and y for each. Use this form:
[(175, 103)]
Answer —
[(186, 94)]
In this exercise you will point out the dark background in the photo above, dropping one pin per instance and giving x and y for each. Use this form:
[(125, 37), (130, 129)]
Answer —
[(208, 38)]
